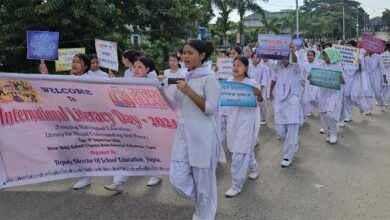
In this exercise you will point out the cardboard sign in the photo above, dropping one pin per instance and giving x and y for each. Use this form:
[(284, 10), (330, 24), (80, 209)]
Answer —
[(42, 45), (65, 57), (107, 54), (371, 43), (237, 94), (225, 67), (325, 78), (276, 47)]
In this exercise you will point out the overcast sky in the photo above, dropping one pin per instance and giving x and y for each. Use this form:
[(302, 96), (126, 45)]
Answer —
[(373, 7)]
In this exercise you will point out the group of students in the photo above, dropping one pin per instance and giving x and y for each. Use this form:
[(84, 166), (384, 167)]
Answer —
[(204, 125)]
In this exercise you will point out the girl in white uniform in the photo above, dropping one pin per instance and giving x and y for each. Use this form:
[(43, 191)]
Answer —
[(330, 100), (196, 146), (261, 73), (128, 59), (286, 93), (143, 67), (386, 86), (242, 132), (311, 92), (373, 80), (95, 70), (174, 71)]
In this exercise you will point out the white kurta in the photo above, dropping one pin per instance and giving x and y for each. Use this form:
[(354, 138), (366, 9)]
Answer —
[(241, 125), (98, 73), (261, 74), (193, 141), (330, 100), (311, 92), (287, 94), (170, 74), (373, 75)]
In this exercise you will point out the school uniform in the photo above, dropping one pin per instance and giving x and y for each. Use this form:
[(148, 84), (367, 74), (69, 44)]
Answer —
[(98, 73), (386, 88), (373, 80), (330, 104), (261, 74), (196, 145), (310, 91), (288, 111), (242, 133), (353, 90)]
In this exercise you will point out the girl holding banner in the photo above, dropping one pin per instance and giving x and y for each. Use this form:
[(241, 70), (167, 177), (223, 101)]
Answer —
[(240, 125), (196, 146), (286, 94), (142, 68), (330, 100)]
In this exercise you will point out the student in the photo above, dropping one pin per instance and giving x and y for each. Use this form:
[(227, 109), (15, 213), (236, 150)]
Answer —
[(241, 131), (174, 71), (80, 67), (353, 90), (330, 100), (261, 74), (234, 52), (95, 70), (375, 78), (386, 87), (311, 92), (286, 93), (142, 68), (128, 59), (196, 146)]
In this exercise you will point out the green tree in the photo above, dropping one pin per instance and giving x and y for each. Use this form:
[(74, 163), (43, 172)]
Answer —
[(225, 8), (242, 7), (386, 16)]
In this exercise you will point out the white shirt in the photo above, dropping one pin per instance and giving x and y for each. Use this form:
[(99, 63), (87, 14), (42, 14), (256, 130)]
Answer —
[(287, 94), (241, 126), (99, 73), (170, 74)]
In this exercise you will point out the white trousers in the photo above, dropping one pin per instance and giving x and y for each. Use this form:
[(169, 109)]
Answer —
[(386, 93), (309, 107), (289, 134), (241, 163), (329, 122), (123, 178), (263, 110), (197, 184), (351, 101), (369, 103)]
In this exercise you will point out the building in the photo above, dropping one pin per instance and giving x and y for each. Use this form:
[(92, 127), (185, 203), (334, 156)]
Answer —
[(254, 20)]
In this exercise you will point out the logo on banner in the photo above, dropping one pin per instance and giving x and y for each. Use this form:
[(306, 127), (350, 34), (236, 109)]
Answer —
[(17, 91), (137, 98)]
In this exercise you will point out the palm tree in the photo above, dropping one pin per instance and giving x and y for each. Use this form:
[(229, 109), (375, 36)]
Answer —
[(243, 6), (270, 26), (225, 7)]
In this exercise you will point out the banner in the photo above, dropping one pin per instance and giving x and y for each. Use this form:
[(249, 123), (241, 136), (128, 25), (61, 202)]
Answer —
[(371, 43), (237, 94), (54, 129), (42, 45), (349, 57), (276, 47), (386, 59), (65, 57), (325, 78), (107, 54), (225, 67)]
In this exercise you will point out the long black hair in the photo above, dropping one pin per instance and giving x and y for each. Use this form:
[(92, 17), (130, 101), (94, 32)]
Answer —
[(202, 47), (131, 55), (85, 59)]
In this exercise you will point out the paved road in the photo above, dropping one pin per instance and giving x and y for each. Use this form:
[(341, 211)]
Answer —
[(350, 180)]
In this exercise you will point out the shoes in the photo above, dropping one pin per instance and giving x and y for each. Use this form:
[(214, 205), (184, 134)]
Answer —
[(341, 124), (154, 181), (327, 139), (253, 175), (285, 163), (332, 139), (262, 122), (232, 192), (322, 131), (368, 113), (83, 182), (347, 120), (308, 115), (117, 187)]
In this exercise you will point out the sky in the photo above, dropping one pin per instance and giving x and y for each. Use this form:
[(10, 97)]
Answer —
[(373, 7)]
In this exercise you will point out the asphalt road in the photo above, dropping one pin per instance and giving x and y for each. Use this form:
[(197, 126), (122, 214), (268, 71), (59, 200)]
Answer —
[(349, 180)]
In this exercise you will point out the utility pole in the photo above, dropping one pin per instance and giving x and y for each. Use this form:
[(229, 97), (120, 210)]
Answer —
[(343, 21), (357, 22), (297, 15)]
